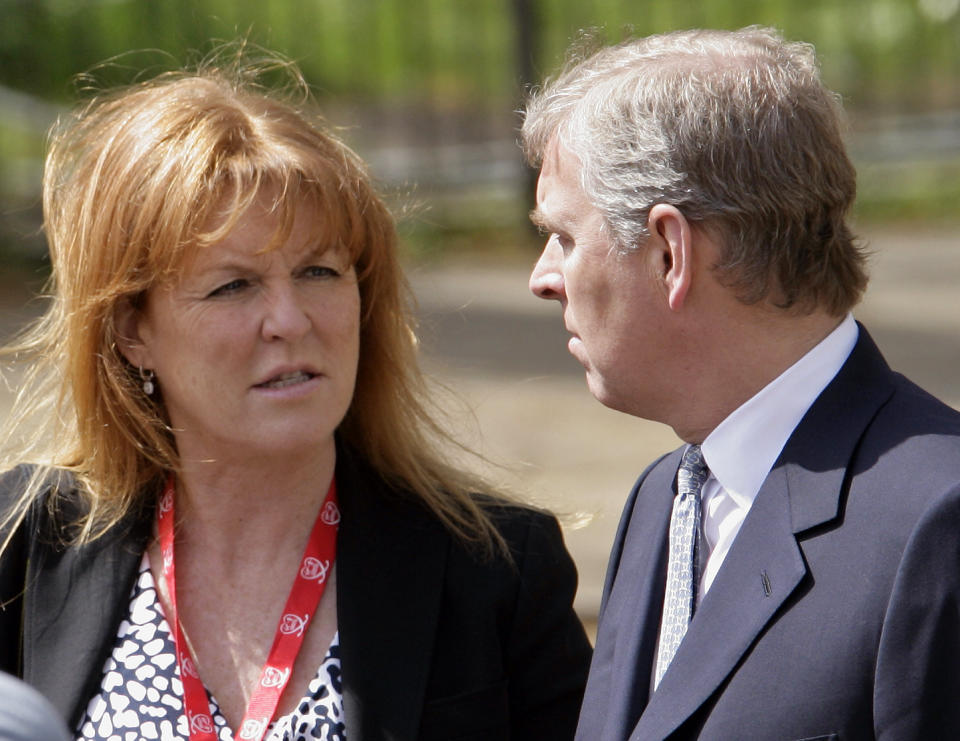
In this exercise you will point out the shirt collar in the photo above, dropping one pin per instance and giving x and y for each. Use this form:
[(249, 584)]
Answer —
[(743, 448)]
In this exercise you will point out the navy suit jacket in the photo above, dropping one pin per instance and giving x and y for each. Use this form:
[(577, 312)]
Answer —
[(436, 642), (836, 613)]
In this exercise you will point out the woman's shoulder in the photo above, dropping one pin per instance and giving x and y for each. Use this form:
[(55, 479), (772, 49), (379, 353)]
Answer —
[(43, 485), (13, 481), (35, 504), (515, 518), (49, 478), (370, 501), (52, 506)]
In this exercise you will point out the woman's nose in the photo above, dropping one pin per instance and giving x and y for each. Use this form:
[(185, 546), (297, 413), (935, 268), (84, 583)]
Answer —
[(286, 316)]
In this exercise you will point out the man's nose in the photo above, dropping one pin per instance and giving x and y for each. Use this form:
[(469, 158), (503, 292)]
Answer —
[(546, 280)]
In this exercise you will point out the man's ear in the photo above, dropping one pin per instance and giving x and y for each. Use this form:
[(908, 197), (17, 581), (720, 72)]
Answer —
[(676, 240), (126, 320)]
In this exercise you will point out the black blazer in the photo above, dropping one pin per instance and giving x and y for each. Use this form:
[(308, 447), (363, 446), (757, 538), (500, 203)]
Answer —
[(836, 613), (437, 643)]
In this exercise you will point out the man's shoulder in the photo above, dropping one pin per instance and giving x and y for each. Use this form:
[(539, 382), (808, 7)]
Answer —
[(886, 415), (916, 434), (916, 418), (912, 400)]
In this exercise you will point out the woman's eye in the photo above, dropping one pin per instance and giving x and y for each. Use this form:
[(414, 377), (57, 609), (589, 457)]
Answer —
[(227, 288), (320, 271)]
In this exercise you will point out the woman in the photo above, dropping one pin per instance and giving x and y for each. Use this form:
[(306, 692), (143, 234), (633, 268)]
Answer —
[(230, 403)]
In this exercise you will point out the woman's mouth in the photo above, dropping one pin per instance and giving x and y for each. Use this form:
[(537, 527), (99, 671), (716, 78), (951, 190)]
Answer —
[(286, 379)]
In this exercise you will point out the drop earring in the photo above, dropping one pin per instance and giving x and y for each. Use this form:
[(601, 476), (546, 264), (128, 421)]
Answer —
[(147, 377)]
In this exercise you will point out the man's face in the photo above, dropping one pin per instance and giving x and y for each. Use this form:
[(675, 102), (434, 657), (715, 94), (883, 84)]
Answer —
[(613, 301)]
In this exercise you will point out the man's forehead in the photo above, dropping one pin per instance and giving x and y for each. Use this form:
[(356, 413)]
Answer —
[(560, 196), (552, 153)]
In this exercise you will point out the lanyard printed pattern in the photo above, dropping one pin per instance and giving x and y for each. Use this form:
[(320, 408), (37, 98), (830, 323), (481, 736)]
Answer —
[(301, 604)]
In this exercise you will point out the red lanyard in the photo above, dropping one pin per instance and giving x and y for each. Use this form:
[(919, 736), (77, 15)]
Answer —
[(303, 600)]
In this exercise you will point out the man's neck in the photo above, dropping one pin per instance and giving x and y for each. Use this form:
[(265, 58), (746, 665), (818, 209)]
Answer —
[(741, 359)]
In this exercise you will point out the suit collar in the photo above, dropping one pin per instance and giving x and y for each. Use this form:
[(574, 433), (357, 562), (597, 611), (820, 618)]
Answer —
[(391, 563), (815, 470), (744, 447), (765, 564)]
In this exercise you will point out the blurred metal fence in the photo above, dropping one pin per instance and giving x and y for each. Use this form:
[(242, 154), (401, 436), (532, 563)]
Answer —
[(429, 88)]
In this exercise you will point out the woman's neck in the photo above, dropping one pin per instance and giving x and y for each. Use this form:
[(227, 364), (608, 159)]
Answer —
[(225, 508), (240, 537)]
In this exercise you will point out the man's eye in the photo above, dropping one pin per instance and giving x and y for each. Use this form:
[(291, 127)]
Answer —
[(228, 288)]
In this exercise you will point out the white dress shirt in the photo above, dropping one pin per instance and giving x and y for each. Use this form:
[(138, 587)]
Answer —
[(743, 448)]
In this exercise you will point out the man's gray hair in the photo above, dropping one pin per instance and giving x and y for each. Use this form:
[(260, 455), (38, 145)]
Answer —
[(735, 129)]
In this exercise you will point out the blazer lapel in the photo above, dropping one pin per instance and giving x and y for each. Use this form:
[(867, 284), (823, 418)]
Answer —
[(74, 598), (391, 562), (765, 563)]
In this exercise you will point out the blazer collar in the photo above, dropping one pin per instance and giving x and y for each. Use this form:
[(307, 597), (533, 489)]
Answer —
[(765, 564), (391, 563)]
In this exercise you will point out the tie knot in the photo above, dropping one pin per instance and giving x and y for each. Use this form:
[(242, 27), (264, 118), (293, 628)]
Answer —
[(693, 471)]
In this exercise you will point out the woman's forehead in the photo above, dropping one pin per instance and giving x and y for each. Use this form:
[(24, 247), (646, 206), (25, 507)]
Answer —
[(261, 238), (259, 224)]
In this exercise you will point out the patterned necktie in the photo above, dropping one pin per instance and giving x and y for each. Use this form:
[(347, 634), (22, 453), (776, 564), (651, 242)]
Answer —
[(682, 569)]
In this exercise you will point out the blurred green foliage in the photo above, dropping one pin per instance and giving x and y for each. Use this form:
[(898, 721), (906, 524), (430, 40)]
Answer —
[(879, 53), (429, 74)]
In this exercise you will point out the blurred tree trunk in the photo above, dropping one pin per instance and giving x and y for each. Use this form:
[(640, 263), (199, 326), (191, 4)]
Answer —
[(526, 22)]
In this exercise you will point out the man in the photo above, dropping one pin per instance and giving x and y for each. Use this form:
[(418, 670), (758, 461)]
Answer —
[(695, 189)]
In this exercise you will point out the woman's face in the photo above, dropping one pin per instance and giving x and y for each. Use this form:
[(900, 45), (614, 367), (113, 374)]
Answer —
[(255, 353)]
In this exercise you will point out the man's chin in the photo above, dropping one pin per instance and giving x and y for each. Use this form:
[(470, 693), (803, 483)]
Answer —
[(608, 396), (599, 390)]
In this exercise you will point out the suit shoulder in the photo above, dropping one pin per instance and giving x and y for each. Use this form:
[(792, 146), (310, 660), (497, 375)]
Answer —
[(916, 431), (911, 400), (906, 466)]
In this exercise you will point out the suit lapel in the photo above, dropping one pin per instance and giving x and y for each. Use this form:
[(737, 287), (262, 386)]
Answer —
[(391, 563), (765, 563), (618, 683), (763, 568)]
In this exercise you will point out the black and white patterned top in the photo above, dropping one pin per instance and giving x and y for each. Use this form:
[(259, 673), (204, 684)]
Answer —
[(141, 696)]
